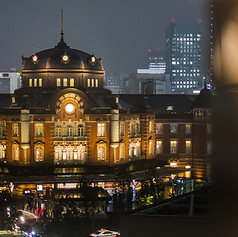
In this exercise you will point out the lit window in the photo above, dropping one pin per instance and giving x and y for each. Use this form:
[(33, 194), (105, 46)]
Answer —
[(209, 147), (159, 147), (92, 83), (101, 129), (30, 82), (122, 128), (188, 148), (15, 130), (88, 82), (173, 147), (39, 152), (101, 152), (71, 82), (57, 131), (69, 132), (188, 128), (174, 127), (35, 82), (39, 130), (209, 128), (151, 125), (122, 151), (65, 82), (58, 81), (159, 128), (15, 152), (40, 82), (96, 82), (80, 130), (2, 151), (151, 147)]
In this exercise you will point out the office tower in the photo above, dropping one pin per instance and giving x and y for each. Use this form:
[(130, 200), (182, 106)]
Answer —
[(183, 56), (9, 81), (156, 60)]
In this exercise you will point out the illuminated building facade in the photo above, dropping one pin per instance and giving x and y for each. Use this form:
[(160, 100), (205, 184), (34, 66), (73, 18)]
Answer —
[(62, 125), (183, 57)]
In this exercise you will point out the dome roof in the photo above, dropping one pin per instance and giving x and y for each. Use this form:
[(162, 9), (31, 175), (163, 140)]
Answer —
[(204, 99), (62, 57)]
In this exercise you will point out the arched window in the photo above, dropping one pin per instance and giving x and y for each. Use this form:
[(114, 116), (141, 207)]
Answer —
[(39, 152), (15, 152), (122, 150), (2, 151), (15, 130), (151, 147), (101, 152)]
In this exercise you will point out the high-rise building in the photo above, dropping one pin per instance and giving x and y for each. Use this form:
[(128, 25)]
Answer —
[(156, 60), (183, 56), (9, 81)]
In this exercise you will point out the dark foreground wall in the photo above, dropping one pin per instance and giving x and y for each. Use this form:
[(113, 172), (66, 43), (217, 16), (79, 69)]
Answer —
[(163, 226)]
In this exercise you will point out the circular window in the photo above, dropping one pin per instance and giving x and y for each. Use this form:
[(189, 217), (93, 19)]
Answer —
[(69, 108)]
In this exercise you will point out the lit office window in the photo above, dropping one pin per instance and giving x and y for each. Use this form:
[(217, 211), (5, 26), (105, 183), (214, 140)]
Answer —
[(188, 148), (92, 82), (159, 128), (209, 147), (188, 128), (88, 82), (35, 82), (173, 147), (174, 126), (159, 147)]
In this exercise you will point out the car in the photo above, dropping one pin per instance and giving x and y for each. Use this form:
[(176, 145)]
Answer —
[(106, 233)]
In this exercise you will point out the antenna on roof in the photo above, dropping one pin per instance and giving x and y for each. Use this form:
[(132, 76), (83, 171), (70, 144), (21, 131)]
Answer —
[(61, 20), (62, 31), (62, 44)]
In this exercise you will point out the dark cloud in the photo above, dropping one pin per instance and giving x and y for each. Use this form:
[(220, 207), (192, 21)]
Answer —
[(120, 32)]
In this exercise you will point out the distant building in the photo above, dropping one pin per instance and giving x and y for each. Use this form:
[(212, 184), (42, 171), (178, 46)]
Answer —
[(153, 81), (183, 56), (156, 60), (9, 81)]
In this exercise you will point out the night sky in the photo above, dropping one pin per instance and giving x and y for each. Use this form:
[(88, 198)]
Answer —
[(121, 32)]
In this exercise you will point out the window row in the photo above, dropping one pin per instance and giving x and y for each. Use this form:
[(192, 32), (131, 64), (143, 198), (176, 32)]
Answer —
[(174, 128), (78, 153), (69, 153), (174, 147), (38, 152), (91, 82), (38, 129), (70, 131)]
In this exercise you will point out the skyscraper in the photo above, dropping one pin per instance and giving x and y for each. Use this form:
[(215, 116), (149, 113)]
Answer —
[(183, 56), (156, 60)]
